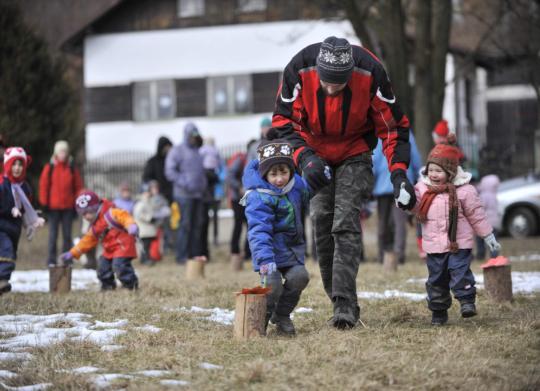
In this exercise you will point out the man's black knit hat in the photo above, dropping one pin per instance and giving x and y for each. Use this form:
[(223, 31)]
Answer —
[(335, 61), (272, 152)]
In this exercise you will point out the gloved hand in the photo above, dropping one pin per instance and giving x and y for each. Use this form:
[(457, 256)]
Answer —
[(268, 269), (403, 190), (315, 171), (492, 244), (40, 222), (133, 230), (66, 258), (15, 212)]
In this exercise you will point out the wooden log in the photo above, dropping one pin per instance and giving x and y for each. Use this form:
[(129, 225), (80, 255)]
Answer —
[(498, 283), (390, 263), (59, 279), (194, 269), (249, 316)]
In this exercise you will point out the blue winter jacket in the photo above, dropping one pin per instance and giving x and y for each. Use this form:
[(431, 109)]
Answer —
[(383, 185), (275, 219), (8, 224), (184, 167)]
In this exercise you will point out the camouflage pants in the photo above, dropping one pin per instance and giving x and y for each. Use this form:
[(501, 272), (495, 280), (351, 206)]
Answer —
[(335, 214)]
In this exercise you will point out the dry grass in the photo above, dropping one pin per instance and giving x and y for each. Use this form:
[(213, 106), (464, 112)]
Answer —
[(398, 349)]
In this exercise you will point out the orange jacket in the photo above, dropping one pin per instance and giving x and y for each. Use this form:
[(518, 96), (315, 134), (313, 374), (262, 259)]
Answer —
[(59, 188), (109, 228)]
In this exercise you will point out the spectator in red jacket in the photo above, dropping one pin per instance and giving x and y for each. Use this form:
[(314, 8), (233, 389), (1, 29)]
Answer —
[(335, 101), (59, 184)]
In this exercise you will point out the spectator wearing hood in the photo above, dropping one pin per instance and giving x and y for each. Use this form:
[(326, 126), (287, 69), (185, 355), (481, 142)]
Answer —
[(487, 190), (184, 168), (154, 170), (59, 184)]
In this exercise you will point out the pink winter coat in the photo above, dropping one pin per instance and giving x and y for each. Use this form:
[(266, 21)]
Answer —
[(471, 216), (487, 188)]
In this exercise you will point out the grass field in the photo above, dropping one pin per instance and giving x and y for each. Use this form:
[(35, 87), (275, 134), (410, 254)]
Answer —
[(397, 349)]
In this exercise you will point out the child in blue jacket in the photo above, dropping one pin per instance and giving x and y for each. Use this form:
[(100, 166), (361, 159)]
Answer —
[(276, 201)]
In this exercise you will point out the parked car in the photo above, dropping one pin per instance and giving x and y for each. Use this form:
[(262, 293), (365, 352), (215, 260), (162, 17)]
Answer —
[(519, 206)]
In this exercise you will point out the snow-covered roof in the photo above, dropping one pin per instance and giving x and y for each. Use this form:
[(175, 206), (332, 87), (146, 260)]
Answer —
[(122, 58)]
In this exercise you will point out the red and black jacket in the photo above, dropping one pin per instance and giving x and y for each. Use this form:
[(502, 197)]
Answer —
[(346, 125)]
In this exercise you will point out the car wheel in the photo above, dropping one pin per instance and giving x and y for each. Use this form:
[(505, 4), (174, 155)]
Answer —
[(521, 222)]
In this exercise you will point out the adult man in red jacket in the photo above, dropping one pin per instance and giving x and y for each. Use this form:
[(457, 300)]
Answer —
[(59, 184), (334, 102)]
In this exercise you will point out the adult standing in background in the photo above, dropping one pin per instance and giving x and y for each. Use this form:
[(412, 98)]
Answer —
[(154, 169), (334, 102), (59, 184), (391, 220), (184, 168)]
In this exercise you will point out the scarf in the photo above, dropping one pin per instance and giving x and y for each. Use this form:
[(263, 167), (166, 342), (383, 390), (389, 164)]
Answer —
[(286, 189), (30, 216), (425, 204)]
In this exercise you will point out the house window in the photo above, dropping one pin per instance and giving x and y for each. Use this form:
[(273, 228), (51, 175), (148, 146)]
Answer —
[(190, 8), (251, 5), (230, 95), (154, 100)]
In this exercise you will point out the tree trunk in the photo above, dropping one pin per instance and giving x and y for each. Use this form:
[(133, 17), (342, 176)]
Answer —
[(423, 84)]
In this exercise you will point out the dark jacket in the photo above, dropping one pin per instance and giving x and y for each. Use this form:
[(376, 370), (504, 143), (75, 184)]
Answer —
[(346, 125), (275, 219), (8, 224), (154, 170)]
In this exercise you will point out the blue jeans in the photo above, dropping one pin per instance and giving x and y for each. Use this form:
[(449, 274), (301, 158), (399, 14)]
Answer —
[(7, 256), (284, 296), (450, 271), (56, 217), (188, 244), (122, 268)]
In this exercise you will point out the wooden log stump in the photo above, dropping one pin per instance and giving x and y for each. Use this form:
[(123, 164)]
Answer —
[(498, 283), (390, 262), (249, 315), (237, 263), (194, 269), (59, 279)]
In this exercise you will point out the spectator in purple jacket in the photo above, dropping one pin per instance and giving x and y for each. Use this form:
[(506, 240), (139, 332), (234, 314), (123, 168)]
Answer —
[(184, 168)]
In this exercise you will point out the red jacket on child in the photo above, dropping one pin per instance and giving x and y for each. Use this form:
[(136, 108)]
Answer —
[(109, 228), (59, 188)]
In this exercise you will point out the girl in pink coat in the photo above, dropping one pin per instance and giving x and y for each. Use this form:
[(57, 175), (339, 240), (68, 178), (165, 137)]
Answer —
[(451, 214)]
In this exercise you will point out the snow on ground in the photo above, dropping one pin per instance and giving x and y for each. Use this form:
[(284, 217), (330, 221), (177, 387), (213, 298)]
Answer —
[(83, 370), (105, 380), (153, 373), (390, 294), (38, 280), (7, 374), (34, 387), (303, 310), (207, 365), (111, 348), (173, 383), (149, 328), (522, 282), (529, 257), (11, 356)]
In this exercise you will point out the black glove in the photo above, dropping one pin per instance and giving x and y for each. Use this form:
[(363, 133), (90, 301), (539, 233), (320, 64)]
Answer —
[(403, 189), (315, 171)]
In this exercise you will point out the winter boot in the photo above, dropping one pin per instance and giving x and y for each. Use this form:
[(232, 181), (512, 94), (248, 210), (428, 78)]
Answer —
[(284, 325), (468, 310), (5, 287), (346, 314), (439, 317)]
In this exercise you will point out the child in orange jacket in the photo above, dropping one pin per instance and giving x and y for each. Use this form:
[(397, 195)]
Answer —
[(116, 230)]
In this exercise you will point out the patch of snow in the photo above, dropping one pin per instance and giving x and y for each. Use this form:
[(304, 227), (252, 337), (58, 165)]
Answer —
[(38, 280), (530, 257), (105, 380), (173, 383), (34, 387), (303, 310), (389, 294), (153, 373), (88, 369), (7, 374), (117, 323), (111, 348), (218, 315), (207, 365), (522, 282), (10, 356), (149, 328)]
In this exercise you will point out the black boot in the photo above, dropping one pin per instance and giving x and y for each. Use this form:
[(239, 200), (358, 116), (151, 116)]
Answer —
[(5, 287), (346, 313), (284, 325), (468, 310), (439, 317)]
